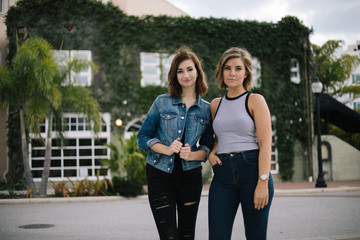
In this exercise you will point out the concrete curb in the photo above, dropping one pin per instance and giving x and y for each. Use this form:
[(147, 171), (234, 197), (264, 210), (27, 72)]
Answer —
[(280, 192)]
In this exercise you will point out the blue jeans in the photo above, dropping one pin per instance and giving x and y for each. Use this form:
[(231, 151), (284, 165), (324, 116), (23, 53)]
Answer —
[(234, 183)]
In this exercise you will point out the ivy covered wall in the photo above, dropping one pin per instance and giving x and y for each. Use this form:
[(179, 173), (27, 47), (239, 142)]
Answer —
[(116, 41)]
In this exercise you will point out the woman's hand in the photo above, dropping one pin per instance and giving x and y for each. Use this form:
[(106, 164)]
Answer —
[(214, 159), (175, 147), (261, 195), (185, 152)]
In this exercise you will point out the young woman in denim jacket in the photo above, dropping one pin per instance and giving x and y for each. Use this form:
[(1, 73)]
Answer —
[(242, 153), (177, 134)]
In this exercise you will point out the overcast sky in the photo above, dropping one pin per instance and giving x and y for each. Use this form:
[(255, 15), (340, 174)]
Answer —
[(330, 19)]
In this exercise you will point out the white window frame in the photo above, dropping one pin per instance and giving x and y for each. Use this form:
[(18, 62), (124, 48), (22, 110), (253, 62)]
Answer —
[(274, 167), (295, 71), (87, 74), (2, 5), (355, 78), (256, 69), (356, 104), (159, 63), (78, 135), (64, 56)]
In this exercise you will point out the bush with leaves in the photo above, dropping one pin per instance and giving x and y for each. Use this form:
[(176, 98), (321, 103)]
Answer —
[(127, 187), (128, 157)]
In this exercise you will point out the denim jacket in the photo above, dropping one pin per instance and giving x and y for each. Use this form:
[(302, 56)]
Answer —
[(165, 122)]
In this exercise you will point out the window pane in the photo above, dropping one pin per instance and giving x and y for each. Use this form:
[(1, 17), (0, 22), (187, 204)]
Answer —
[(100, 141), (55, 163), (37, 163), (70, 162), (70, 152), (100, 152), (70, 173), (38, 153), (56, 153), (55, 173), (84, 152), (70, 142), (98, 162), (85, 162), (84, 142), (37, 143)]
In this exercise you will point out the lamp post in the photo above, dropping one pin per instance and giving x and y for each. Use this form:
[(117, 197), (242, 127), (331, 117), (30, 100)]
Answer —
[(118, 122), (316, 88)]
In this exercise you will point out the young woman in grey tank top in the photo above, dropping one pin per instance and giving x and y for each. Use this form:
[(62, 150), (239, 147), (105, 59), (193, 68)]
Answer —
[(242, 153)]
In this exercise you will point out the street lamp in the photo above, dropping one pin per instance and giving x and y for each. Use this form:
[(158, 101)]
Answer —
[(118, 122), (316, 88)]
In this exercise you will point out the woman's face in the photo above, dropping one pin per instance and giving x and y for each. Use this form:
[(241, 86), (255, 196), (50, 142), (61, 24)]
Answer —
[(234, 73), (186, 73)]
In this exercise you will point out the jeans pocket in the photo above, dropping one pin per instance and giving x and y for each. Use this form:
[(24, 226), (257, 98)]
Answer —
[(251, 158)]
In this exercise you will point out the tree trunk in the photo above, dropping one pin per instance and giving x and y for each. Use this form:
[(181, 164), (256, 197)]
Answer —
[(47, 162), (25, 152)]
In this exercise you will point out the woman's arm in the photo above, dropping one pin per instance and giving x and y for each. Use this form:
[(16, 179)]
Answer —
[(261, 113), (146, 134), (213, 158), (175, 147)]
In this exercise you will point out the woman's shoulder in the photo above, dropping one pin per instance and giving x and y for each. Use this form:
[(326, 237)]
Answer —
[(203, 101), (256, 100), (256, 97), (215, 102), (164, 96)]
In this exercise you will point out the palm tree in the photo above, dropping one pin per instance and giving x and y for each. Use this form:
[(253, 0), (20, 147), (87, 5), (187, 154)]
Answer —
[(333, 71), (30, 77), (75, 99), (40, 89)]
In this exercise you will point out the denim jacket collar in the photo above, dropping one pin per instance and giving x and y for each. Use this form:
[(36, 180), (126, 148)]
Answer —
[(198, 103)]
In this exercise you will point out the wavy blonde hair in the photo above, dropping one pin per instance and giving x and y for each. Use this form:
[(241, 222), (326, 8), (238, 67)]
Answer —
[(235, 52)]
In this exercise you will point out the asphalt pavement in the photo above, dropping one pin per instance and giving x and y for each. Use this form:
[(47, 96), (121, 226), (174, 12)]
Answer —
[(300, 212)]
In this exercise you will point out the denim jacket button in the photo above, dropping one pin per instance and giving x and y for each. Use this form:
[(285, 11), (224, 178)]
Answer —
[(169, 169), (154, 161), (179, 131), (182, 117), (171, 160)]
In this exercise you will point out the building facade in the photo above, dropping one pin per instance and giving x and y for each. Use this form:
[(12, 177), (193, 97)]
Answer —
[(354, 79), (83, 156), (4, 7)]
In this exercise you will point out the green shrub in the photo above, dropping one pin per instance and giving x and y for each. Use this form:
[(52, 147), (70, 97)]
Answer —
[(127, 187)]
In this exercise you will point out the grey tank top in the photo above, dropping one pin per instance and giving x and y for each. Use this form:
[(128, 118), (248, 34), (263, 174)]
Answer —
[(234, 126)]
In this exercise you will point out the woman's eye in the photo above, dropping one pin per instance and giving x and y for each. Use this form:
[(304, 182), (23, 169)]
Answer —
[(180, 71), (227, 68), (239, 68)]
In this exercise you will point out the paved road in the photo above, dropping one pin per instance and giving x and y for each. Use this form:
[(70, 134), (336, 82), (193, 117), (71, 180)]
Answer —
[(315, 216)]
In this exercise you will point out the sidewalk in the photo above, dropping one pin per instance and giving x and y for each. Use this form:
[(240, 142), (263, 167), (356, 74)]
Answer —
[(288, 188), (281, 189)]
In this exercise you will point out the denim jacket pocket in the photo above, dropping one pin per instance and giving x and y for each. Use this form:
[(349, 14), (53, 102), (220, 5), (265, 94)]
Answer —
[(169, 120), (201, 123), (202, 120)]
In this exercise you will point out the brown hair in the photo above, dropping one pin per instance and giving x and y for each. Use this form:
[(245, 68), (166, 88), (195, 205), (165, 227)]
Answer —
[(182, 54), (231, 53)]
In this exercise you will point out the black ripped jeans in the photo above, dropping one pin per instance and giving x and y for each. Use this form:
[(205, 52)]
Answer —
[(168, 192)]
